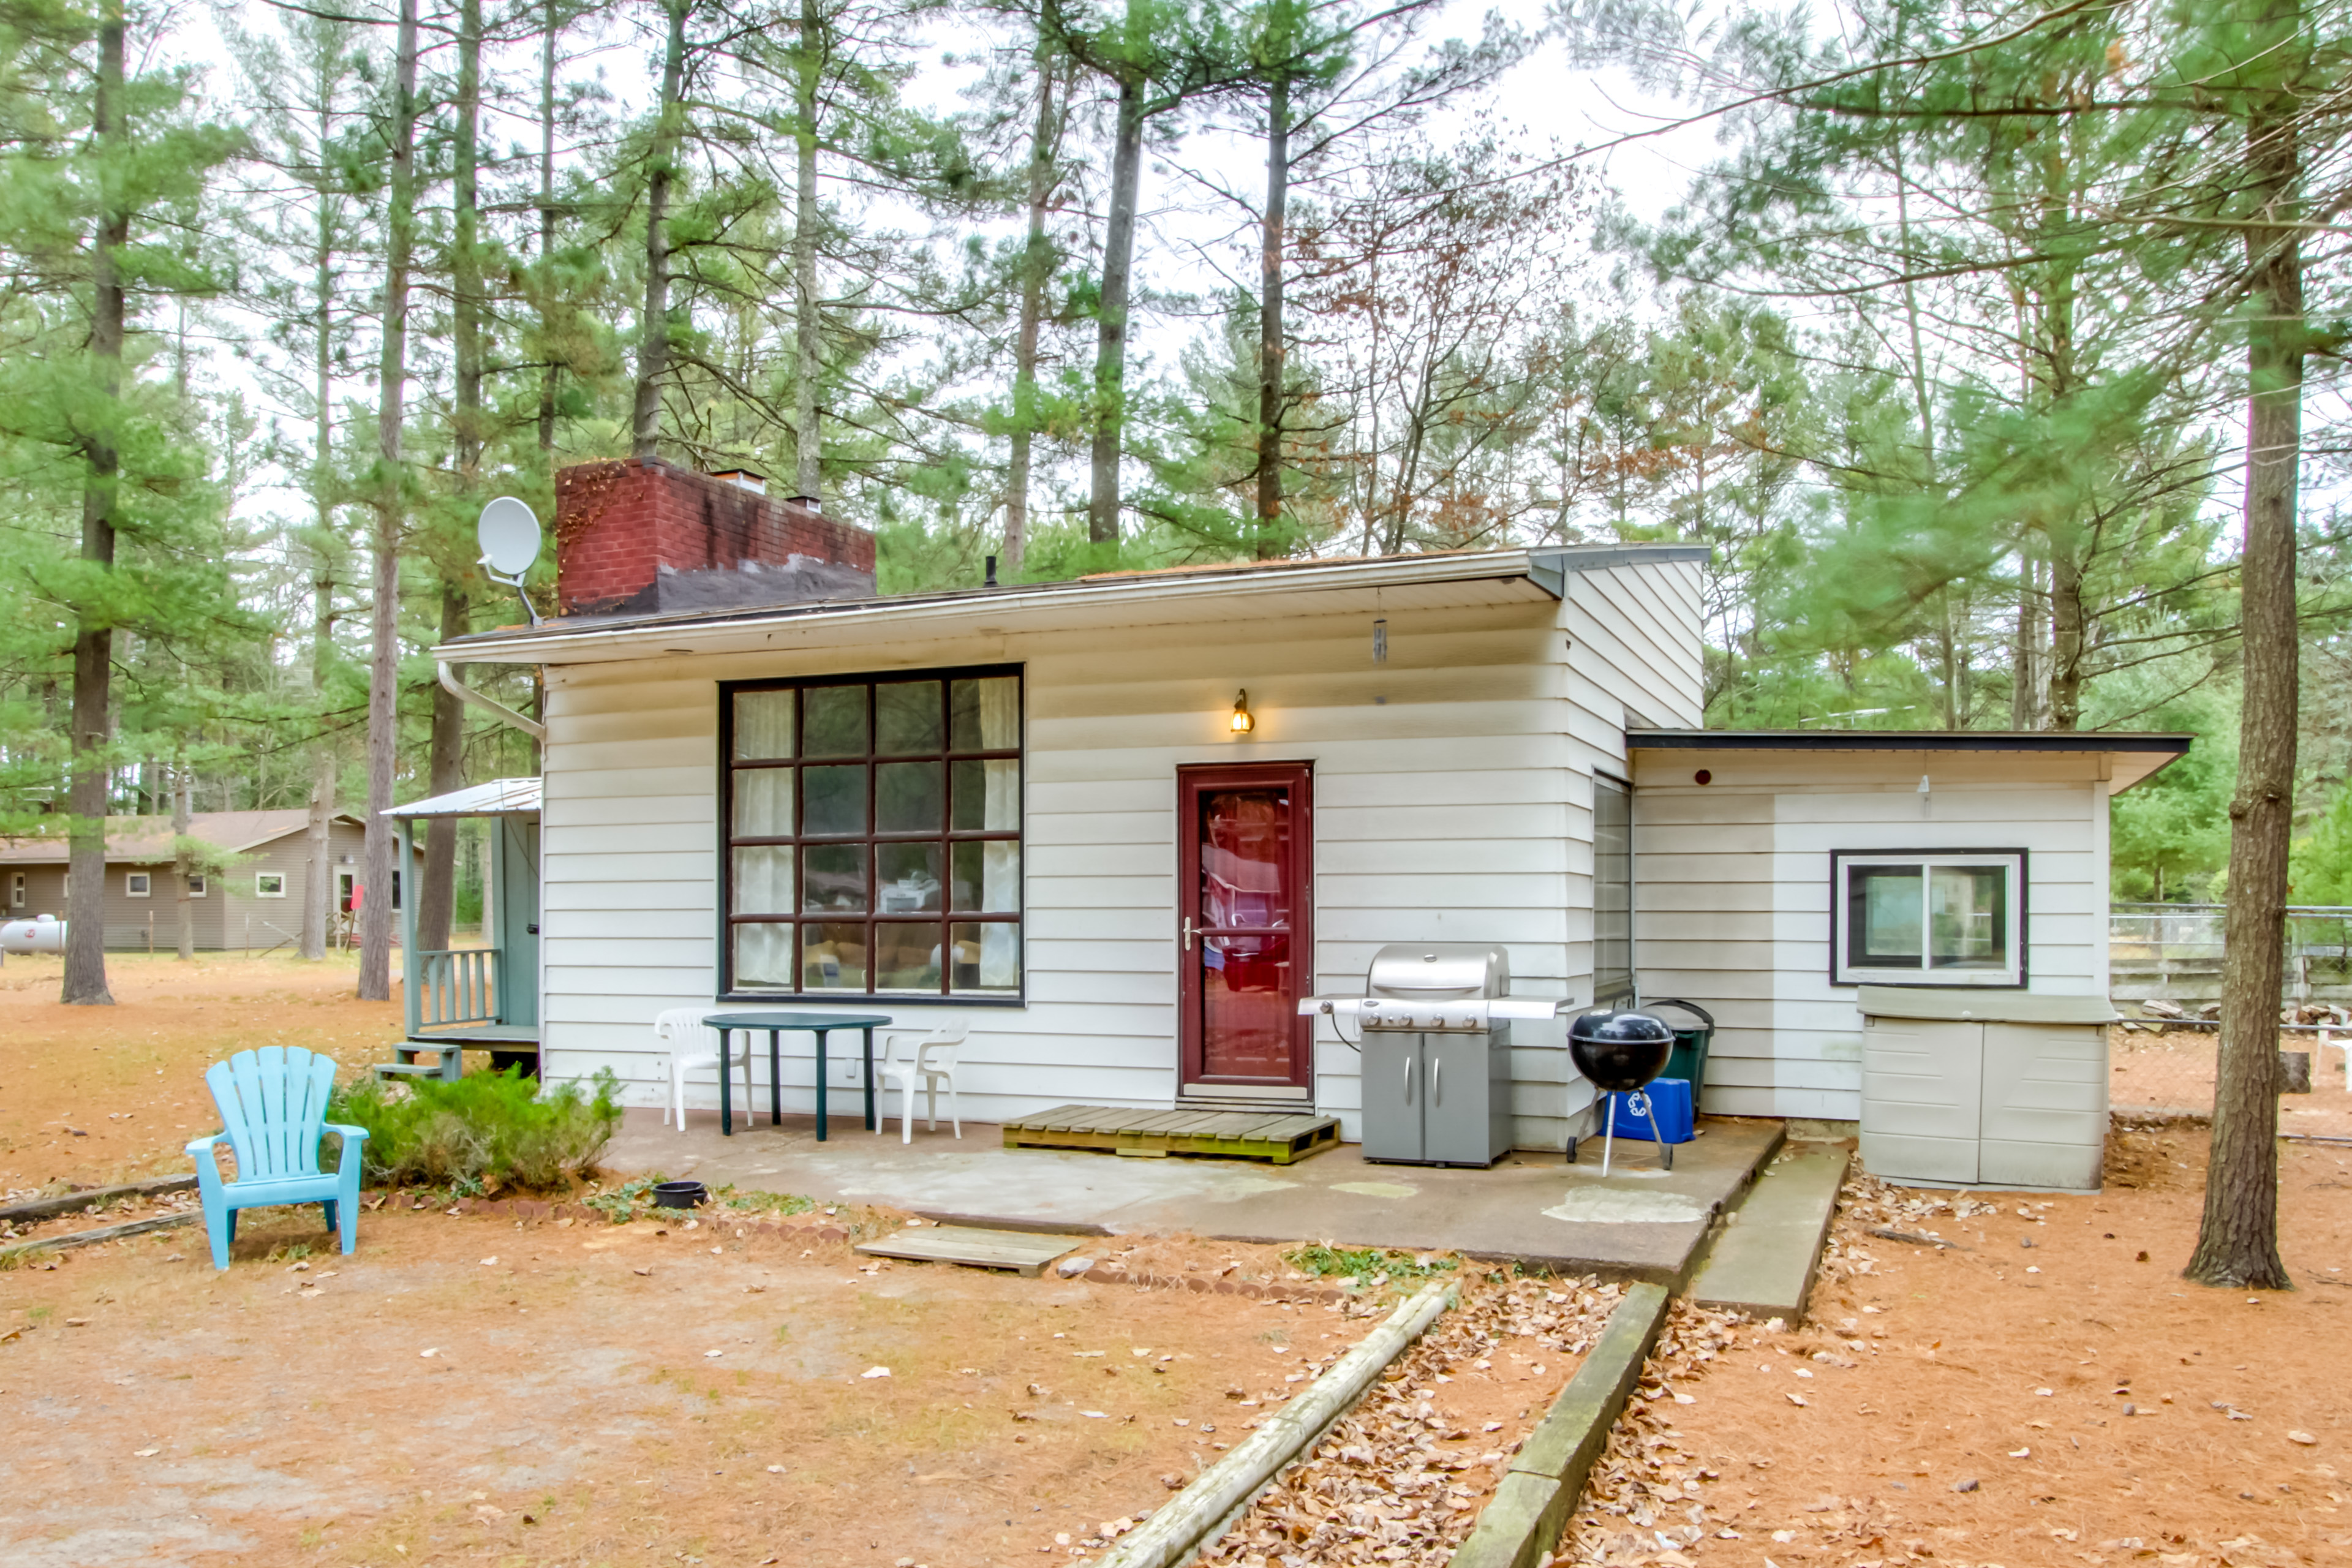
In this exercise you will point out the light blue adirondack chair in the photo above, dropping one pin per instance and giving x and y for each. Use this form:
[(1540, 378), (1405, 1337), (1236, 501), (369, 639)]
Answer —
[(273, 1110)]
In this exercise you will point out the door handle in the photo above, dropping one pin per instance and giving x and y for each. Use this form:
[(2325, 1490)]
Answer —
[(1408, 1080), (1436, 1066), (1191, 930)]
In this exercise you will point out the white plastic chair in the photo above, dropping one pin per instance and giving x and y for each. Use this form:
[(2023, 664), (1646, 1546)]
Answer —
[(934, 1062), (694, 1047)]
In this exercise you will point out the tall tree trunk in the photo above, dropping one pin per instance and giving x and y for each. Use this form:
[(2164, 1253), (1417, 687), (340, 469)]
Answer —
[(383, 667), (2237, 1245), (85, 973), (1110, 324), (808, 346), (653, 321), (547, 226), (1269, 319), (183, 869), (319, 888), (1036, 268), (436, 891), (2067, 622)]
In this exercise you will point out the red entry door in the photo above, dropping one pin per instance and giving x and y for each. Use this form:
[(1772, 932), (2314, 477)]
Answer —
[(1245, 849)]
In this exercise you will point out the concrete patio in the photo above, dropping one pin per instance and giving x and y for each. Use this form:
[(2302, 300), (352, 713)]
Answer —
[(1638, 1223)]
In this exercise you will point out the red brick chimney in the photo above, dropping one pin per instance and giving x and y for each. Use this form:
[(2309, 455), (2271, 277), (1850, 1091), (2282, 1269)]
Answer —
[(640, 536)]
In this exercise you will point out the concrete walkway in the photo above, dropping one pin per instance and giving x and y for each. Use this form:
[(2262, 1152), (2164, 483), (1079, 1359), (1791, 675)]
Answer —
[(1764, 1261), (1641, 1223)]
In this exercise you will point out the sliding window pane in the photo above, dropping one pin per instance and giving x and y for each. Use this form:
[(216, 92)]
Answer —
[(985, 714), (909, 797), (1885, 905), (832, 956), (764, 803), (906, 719), (837, 800), (763, 957), (763, 725), (833, 876), (1967, 917), (988, 877), (835, 722), (905, 957), (763, 881), (988, 796)]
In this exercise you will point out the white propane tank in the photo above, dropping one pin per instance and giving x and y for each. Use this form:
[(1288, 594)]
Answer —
[(43, 933)]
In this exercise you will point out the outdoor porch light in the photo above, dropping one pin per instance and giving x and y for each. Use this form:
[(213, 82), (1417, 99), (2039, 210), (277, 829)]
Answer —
[(1241, 722)]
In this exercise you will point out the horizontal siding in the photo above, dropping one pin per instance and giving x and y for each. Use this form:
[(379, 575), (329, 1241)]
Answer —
[(1733, 894)]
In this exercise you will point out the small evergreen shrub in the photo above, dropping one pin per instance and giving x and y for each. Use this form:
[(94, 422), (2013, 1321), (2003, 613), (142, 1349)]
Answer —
[(484, 1133)]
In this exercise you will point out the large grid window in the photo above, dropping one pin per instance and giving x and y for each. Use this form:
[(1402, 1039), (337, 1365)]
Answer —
[(874, 835)]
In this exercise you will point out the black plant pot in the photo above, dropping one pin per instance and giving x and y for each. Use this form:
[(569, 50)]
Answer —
[(680, 1194), (1618, 1051)]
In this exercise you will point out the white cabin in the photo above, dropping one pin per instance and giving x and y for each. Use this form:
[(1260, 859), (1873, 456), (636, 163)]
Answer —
[(1121, 825)]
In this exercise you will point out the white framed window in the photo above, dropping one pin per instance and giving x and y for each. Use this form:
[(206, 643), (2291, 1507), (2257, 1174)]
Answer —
[(196, 887), (17, 889), (1927, 917), (269, 884), (138, 884)]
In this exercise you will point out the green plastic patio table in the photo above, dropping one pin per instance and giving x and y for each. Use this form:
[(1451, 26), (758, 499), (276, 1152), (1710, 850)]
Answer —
[(781, 1024)]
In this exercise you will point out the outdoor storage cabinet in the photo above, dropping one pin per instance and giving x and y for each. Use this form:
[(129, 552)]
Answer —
[(1438, 1099), (2002, 1089)]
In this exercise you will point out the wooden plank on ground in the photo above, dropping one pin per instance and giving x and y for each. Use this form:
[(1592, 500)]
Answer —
[(1024, 1252), (1281, 1136)]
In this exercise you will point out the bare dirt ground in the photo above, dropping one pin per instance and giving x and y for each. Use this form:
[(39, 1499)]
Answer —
[(2045, 1389), (95, 1095)]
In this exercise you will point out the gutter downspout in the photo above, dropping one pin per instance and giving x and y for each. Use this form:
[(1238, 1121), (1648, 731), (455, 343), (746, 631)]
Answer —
[(499, 710)]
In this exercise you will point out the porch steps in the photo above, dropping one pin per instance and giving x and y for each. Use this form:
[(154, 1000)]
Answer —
[(1282, 1137), (1762, 1262), (1026, 1252)]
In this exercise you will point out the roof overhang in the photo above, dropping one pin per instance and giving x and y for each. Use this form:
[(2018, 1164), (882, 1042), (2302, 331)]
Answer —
[(2132, 754), (1393, 582), (500, 798)]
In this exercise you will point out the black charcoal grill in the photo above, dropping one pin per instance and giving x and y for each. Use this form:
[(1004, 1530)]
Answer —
[(1622, 1053)]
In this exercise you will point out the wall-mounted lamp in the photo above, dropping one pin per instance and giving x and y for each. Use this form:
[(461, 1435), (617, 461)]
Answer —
[(1242, 723)]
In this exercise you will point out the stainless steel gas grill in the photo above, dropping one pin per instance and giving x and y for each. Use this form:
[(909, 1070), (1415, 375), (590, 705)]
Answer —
[(1434, 1028)]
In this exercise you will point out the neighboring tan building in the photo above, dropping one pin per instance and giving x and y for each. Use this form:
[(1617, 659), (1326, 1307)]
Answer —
[(258, 904)]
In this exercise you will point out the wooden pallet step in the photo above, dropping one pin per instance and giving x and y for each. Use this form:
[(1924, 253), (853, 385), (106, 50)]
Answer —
[(1024, 1252), (1280, 1136)]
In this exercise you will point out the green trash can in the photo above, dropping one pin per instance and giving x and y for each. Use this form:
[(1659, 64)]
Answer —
[(1688, 1061)]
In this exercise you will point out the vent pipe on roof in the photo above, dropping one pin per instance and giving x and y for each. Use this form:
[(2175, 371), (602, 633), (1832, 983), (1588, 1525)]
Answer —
[(499, 710)]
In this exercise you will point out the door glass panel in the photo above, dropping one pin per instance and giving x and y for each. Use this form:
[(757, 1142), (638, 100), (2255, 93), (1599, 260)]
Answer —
[(988, 877), (837, 799), (763, 881), (909, 797), (905, 957), (764, 803), (833, 876), (835, 722), (1245, 841), (907, 717), (987, 958), (985, 714), (1967, 917), (907, 877), (763, 956), (832, 956), (1246, 1011), (763, 725), (1884, 915)]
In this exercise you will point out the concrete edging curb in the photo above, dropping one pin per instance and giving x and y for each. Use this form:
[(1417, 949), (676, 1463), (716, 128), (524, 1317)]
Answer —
[(1203, 1510), (1524, 1518)]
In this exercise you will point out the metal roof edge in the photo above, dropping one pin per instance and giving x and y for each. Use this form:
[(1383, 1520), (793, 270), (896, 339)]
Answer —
[(2170, 743), (1547, 569)]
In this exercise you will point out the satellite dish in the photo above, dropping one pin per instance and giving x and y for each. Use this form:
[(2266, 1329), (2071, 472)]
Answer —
[(509, 533)]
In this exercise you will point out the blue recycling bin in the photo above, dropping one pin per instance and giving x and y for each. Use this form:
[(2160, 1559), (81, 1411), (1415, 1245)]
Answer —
[(1670, 1098)]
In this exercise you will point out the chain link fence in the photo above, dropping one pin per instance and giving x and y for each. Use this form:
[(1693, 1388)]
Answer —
[(2165, 970)]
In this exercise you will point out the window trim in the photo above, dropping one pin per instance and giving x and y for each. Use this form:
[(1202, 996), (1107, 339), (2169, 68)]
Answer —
[(199, 884), (18, 890), (724, 987), (139, 884), (257, 892), (1846, 976)]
